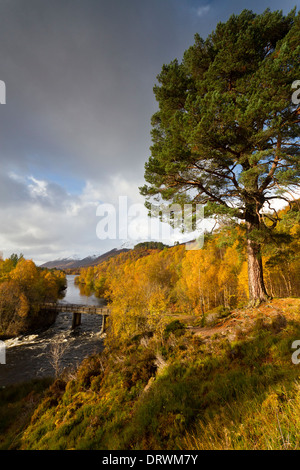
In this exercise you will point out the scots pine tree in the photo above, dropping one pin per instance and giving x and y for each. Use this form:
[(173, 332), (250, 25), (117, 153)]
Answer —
[(226, 133)]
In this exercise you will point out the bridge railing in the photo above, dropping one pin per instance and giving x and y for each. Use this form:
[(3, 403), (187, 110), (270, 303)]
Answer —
[(75, 308)]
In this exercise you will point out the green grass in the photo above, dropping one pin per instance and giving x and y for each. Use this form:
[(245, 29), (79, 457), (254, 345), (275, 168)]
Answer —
[(17, 404), (270, 421), (176, 391)]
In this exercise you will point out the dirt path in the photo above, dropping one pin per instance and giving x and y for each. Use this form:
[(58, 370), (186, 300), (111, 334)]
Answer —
[(242, 319)]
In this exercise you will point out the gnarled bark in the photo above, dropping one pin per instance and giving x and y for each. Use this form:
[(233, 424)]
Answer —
[(257, 289)]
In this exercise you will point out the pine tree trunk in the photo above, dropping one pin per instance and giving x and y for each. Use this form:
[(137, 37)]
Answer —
[(257, 289), (289, 280)]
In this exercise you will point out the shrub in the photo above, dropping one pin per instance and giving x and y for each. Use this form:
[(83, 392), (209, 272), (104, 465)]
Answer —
[(175, 327)]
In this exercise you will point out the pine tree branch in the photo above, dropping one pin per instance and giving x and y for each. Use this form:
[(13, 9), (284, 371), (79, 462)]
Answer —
[(270, 175)]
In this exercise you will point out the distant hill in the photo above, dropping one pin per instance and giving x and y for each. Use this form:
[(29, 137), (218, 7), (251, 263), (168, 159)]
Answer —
[(70, 263)]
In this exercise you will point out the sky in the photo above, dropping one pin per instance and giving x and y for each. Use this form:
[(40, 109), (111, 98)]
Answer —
[(75, 127)]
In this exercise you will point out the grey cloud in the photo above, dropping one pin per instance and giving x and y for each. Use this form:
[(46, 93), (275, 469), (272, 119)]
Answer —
[(80, 73), (12, 191), (79, 76)]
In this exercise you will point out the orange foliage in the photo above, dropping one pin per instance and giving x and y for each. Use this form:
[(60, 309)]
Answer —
[(23, 286), (143, 285)]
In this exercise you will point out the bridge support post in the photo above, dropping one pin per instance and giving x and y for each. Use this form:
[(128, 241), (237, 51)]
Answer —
[(76, 320), (103, 326)]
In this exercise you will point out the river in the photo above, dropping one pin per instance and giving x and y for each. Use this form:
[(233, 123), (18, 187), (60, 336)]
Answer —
[(58, 347)]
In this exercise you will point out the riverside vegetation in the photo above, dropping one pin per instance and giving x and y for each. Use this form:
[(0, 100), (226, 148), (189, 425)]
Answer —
[(23, 286), (186, 364)]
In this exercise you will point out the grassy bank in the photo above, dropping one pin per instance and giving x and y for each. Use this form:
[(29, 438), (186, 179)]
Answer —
[(17, 404), (230, 385)]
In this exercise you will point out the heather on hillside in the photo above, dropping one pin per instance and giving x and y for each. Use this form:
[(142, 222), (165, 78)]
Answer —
[(232, 387)]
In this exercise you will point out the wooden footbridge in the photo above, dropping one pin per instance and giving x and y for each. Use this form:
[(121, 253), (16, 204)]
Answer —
[(77, 311)]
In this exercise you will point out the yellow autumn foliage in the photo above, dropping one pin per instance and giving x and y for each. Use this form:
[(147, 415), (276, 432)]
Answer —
[(23, 286), (143, 285)]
